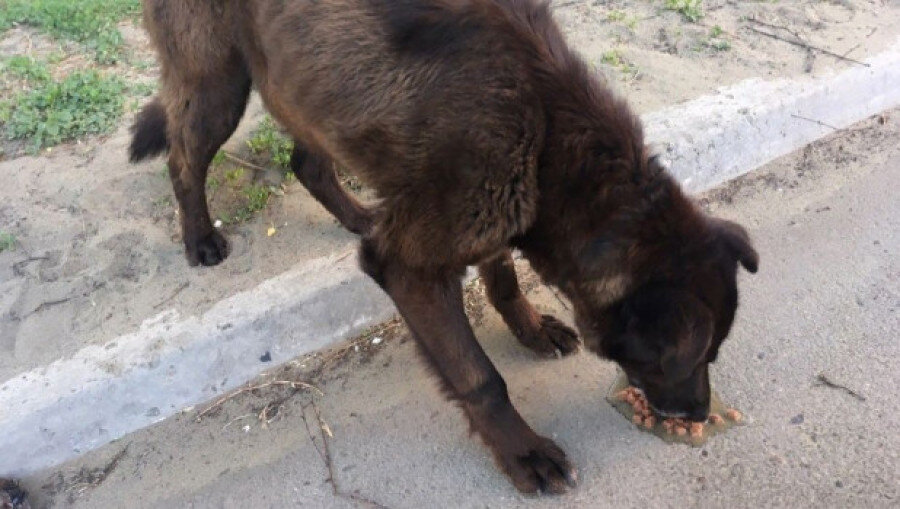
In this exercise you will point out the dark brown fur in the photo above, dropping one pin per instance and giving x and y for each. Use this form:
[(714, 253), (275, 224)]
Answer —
[(480, 131)]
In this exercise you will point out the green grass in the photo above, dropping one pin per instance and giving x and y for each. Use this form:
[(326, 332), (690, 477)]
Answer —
[(233, 175), (269, 140), (26, 68), (691, 10), (257, 199), (718, 44), (617, 15), (715, 41), (7, 241), (83, 103), (616, 60), (219, 158), (89, 22)]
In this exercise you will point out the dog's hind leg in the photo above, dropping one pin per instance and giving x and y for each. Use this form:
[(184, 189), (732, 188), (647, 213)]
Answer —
[(542, 333), (430, 301), (316, 173), (203, 111)]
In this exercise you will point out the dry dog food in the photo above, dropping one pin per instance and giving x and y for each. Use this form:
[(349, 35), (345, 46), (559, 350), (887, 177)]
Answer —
[(643, 416), (631, 403)]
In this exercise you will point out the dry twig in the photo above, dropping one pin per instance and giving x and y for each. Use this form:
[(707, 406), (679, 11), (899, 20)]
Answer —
[(807, 46), (235, 159), (282, 383), (823, 380)]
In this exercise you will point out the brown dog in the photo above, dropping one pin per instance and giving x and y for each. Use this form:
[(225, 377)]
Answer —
[(481, 131)]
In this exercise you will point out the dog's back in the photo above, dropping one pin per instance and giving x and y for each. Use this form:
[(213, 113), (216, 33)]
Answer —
[(432, 102)]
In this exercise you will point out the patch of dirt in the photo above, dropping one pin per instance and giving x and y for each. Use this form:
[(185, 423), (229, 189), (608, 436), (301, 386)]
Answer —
[(668, 60)]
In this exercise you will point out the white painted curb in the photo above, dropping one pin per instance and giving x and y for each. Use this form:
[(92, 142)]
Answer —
[(56, 412), (716, 138)]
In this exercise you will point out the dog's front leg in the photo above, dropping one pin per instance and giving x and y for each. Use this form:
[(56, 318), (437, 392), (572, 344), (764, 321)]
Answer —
[(431, 303)]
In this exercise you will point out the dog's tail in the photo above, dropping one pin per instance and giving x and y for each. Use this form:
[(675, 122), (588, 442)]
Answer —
[(149, 132)]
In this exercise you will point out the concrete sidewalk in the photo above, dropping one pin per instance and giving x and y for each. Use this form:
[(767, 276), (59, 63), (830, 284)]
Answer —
[(826, 222)]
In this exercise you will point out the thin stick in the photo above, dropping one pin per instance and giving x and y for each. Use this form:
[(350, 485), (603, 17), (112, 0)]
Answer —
[(851, 50), (170, 297), (823, 124), (235, 159), (236, 419), (808, 46), (821, 379), (778, 27), (324, 433), (290, 383)]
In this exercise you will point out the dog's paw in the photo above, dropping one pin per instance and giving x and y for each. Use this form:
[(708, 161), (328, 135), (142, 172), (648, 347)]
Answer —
[(552, 339), (208, 250), (541, 467)]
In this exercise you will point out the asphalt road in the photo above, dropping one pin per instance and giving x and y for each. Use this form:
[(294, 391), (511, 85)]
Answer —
[(825, 303)]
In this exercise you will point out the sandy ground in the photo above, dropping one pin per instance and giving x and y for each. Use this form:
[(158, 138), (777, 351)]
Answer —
[(667, 61), (98, 248), (825, 303)]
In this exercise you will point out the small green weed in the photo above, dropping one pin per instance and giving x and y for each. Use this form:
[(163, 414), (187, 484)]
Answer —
[(718, 44), (143, 89), (89, 22), (85, 102), (257, 199), (7, 241), (219, 158), (616, 60), (268, 139), (617, 15), (715, 41), (691, 10), (233, 175)]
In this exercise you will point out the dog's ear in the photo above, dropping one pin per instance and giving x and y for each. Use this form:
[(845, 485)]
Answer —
[(692, 323), (738, 242)]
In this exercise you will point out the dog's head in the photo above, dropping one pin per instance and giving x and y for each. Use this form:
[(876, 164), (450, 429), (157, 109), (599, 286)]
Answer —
[(664, 323)]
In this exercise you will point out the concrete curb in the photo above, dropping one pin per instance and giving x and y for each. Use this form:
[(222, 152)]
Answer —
[(716, 138), (104, 392), (55, 413)]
